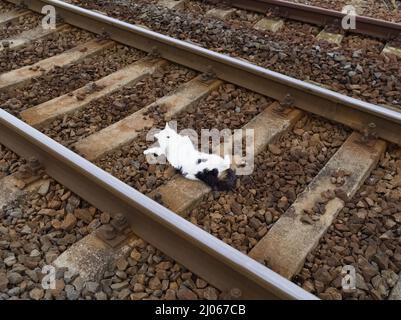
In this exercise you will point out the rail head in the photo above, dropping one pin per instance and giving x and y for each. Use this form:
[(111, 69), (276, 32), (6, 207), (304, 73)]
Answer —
[(202, 253), (352, 112)]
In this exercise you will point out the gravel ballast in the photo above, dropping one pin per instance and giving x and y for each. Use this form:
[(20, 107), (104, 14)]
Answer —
[(366, 236), (147, 274), (243, 216), (103, 112), (227, 107), (6, 6), (24, 23), (47, 47), (360, 72), (62, 80), (383, 10), (37, 227)]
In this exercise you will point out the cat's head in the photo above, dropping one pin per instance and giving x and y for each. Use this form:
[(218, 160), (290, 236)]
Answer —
[(166, 136)]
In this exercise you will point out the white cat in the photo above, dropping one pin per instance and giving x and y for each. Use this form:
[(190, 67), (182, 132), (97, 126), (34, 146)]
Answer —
[(192, 164)]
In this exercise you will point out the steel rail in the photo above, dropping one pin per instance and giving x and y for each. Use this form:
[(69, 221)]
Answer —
[(354, 113), (202, 253), (381, 29)]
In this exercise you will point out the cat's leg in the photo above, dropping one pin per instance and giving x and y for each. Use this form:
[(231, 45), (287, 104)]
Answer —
[(181, 171), (185, 174), (190, 176), (156, 150)]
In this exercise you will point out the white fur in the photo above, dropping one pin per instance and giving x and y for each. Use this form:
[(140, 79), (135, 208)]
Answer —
[(181, 154)]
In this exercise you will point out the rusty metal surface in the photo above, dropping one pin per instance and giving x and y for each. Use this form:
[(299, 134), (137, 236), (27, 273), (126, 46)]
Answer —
[(320, 16)]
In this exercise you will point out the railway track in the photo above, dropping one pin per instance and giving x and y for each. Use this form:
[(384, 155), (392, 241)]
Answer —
[(99, 99), (272, 16), (322, 17), (359, 67)]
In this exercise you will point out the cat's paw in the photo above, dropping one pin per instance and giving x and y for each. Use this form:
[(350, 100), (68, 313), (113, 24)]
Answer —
[(151, 151)]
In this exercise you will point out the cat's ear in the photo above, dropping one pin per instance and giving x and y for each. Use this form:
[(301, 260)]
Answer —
[(167, 127)]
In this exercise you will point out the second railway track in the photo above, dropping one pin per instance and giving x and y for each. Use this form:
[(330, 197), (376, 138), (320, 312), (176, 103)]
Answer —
[(100, 98), (321, 16)]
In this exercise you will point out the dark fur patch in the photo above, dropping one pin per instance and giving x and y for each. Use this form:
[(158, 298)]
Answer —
[(210, 177), (229, 181), (178, 170)]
